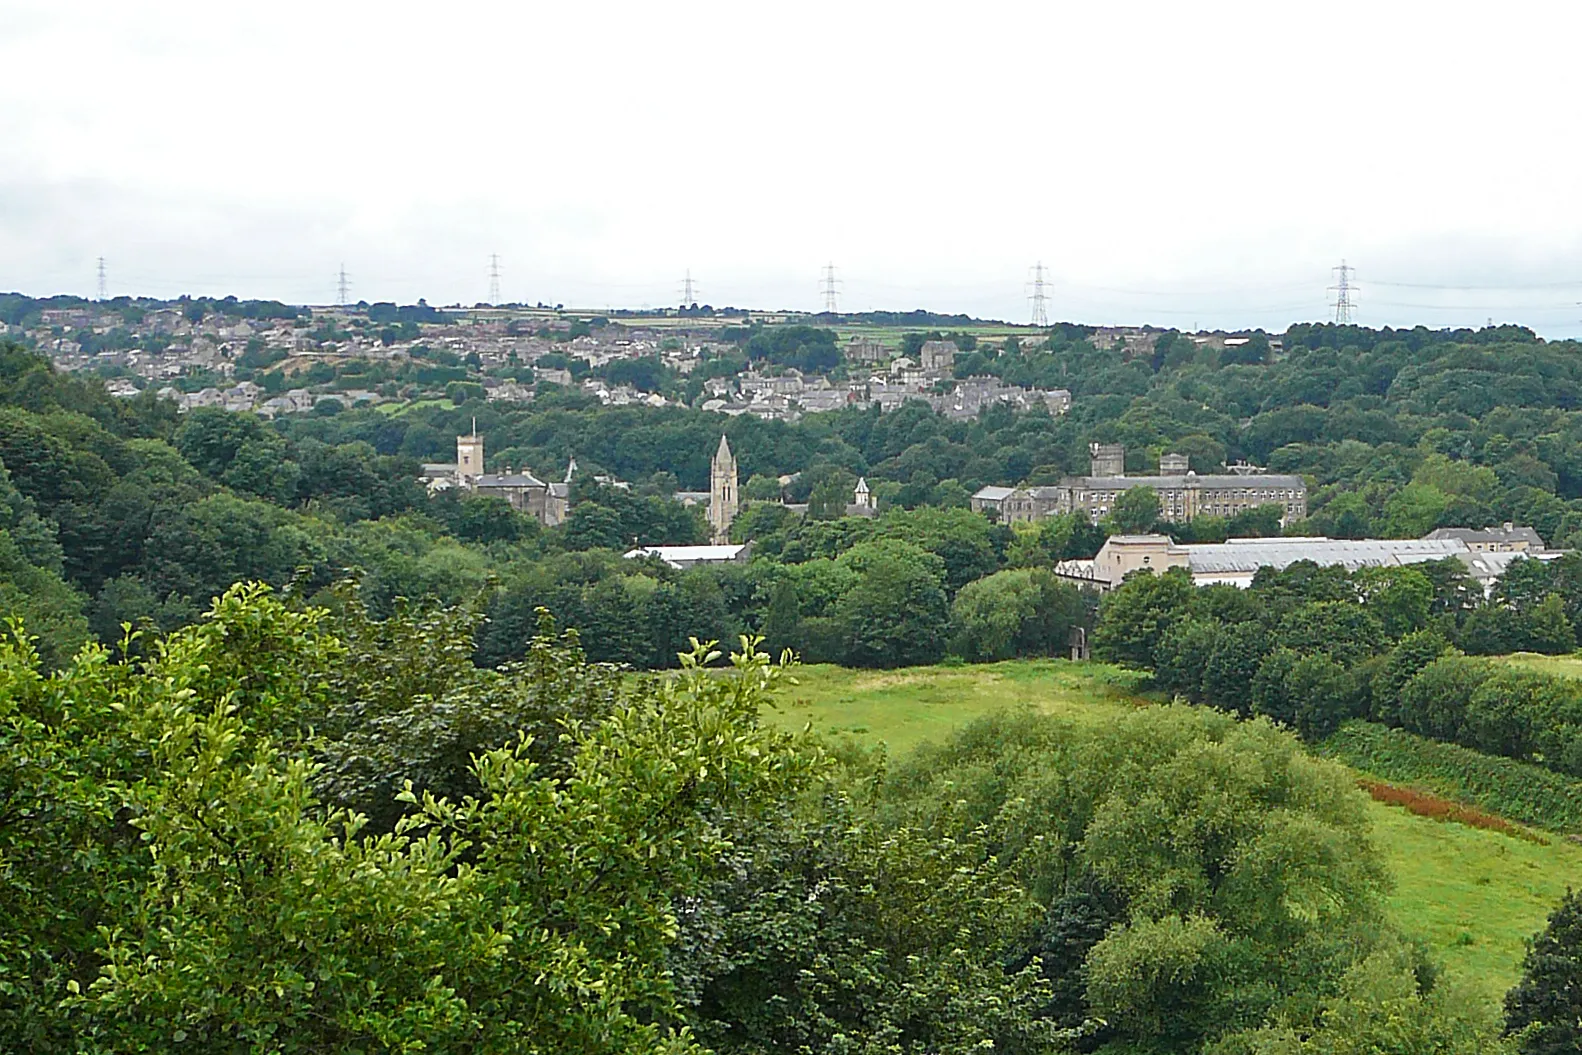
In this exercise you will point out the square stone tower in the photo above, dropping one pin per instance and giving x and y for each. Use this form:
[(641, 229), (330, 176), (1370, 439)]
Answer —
[(469, 455)]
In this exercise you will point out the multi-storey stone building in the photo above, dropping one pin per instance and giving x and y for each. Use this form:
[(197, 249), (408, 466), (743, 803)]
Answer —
[(1183, 494)]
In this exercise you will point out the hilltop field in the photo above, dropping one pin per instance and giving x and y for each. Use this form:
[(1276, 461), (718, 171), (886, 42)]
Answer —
[(1475, 896)]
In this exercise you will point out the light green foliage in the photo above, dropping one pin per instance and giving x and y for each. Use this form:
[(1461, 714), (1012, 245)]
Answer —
[(161, 801), (1249, 884), (1383, 1007)]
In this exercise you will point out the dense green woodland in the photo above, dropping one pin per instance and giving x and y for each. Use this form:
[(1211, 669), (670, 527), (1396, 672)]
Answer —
[(304, 829)]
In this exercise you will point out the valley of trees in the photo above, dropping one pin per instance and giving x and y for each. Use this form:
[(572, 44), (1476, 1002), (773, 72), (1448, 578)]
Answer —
[(412, 789)]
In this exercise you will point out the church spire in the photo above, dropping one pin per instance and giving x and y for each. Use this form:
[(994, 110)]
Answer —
[(723, 501)]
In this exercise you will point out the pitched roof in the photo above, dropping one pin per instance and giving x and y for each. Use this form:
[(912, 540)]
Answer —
[(508, 480), (679, 555), (1493, 534), (1219, 482), (1250, 554)]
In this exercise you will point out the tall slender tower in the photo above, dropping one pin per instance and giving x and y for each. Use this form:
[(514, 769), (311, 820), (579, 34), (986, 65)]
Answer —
[(722, 493), (1343, 289), (1039, 296), (469, 456)]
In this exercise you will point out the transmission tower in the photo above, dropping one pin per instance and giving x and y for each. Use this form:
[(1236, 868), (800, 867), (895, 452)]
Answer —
[(1038, 296), (1343, 289), (104, 283), (689, 290), (830, 285), (343, 285), (494, 278)]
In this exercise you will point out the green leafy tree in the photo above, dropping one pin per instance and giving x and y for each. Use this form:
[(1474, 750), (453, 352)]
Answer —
[(1544, 1010), (1136, 511), (1134, 617), (1231, 666), (226, 910), (895, 613), (1014, 613), (1183, 653)]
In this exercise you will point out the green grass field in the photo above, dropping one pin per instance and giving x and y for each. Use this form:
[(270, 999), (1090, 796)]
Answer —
[(1570, 666), (1474, 896), (396, 409)]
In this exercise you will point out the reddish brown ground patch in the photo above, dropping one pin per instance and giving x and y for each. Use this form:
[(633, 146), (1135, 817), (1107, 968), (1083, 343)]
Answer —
[(1427, 804)]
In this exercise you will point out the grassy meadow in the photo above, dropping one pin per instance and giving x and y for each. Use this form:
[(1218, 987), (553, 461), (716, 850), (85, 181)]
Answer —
[(1569, 666), (1475, 896)]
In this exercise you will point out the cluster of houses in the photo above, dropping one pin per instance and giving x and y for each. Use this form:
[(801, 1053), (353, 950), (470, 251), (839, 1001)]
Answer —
[(874, 378)]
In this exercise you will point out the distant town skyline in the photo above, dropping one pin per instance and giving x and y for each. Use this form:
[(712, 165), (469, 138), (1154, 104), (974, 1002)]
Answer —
[(1187, 167)]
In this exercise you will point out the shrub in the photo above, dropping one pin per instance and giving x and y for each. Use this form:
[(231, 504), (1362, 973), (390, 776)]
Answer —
[(1517, 790)]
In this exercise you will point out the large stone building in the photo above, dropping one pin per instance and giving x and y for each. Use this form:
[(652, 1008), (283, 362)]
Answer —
[(547, 503), (937, 355), (861, 349), (1183, 494)]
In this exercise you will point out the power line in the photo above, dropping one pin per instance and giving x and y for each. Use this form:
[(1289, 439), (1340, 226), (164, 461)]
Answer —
[(494, 278), (689, 290), (104, 284), (1342, 289), (343, 285), (1497, 286), (1039, 298), (830, 286)]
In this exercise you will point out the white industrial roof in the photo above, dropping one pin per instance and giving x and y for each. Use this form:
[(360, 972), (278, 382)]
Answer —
[(680, 555), (1248, 555)]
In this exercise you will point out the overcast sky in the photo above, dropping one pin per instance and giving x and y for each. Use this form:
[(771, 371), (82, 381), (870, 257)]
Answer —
[(1176, 163)]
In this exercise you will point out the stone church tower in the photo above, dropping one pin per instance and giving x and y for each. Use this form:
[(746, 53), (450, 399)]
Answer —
[(722, 493), (469, 455)]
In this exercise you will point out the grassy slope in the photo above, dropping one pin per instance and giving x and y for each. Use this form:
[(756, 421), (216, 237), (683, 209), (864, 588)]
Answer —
[(1476, 896), (1570, 666)]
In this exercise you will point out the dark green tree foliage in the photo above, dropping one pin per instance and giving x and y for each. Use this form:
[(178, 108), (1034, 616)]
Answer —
[(1544, 1011), (1182, 654), (1136, 511), (1410, 655), (896, 613), (1136, 616), (1236, 652), (407, 704), (811, 349), (828, 932), (1014, 613)]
